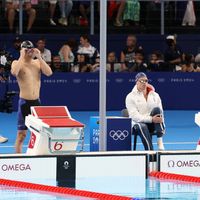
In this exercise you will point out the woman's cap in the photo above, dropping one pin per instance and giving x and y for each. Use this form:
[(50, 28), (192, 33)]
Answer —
[(140, 75)]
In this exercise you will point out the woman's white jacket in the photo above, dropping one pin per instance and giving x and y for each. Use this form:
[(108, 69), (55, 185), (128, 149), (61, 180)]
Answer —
[(139, 108)]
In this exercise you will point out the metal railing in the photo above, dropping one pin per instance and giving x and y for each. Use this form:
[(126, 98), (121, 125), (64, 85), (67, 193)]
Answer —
[(92, 12)]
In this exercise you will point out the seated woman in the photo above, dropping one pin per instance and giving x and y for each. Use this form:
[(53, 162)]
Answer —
[(145, 108), (12, 8), (188, 65), (82, 64), (112, 64), (66, 52)]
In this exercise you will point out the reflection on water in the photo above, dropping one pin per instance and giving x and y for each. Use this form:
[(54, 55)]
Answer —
[(139, 188), (166, 189), (10, 193), (136, 187), (123, 186)]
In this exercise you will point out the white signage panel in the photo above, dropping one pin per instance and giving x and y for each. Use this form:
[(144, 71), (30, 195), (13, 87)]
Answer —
[(186, 164), (37, 170), (101, 166), (112, 174)]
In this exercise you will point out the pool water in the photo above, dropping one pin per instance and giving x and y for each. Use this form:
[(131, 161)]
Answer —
[(165, 189), (11, 193), (134, 187), (144, 189)]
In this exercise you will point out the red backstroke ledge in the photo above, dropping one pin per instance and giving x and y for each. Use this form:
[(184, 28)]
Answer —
[(178, 177), (62, 190)]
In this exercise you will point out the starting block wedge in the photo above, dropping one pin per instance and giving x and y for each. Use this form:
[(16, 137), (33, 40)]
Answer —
[(53, 131)]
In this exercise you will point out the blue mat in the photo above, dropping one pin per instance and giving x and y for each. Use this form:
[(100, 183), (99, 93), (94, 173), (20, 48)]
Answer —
[(181, 131)]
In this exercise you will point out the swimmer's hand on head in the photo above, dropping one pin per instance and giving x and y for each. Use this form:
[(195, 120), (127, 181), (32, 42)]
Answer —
[(43, 65), (37, 54), (17, 65), (22, 52)]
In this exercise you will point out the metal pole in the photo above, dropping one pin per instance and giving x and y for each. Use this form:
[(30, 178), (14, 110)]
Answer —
[(92, 17), (102, 83), (162, 31), (20, 17)]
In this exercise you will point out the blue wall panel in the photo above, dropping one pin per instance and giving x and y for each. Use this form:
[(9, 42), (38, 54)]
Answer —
[(80, 91)]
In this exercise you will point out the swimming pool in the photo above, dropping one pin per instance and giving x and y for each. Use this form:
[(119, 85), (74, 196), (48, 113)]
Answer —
[(10, 193), (126, 186), (132, 187), (144, 189)]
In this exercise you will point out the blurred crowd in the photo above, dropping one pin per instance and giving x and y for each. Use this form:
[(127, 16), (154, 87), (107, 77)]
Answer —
[(120, 12), (82, 56)]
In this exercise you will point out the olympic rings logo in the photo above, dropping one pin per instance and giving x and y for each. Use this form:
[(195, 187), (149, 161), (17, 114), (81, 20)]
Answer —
[(118, 135)]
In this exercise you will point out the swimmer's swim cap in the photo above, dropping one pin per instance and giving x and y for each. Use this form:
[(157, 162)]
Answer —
[(27, 44)]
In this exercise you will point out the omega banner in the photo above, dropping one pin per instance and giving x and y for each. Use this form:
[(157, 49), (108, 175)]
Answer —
[(28, 169), (78, 170), (180, 163)]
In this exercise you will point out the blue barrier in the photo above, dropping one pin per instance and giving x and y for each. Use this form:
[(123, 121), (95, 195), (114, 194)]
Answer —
[(118, 135), (80, 91)]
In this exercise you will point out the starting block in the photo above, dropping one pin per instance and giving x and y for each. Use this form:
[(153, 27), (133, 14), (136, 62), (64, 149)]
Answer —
[(197, 118), (53, 131)]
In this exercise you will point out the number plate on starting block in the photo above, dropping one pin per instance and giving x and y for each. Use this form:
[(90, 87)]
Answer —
[(61, 146)]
